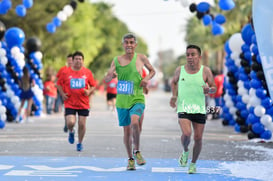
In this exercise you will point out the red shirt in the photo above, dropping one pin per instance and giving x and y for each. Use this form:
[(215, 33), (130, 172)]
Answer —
[(50, 89), (144, 73), (73, 83), (112, 86), (61, 71), (219, 82)]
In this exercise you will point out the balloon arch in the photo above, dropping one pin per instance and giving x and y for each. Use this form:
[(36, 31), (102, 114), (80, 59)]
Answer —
[(14, 57)]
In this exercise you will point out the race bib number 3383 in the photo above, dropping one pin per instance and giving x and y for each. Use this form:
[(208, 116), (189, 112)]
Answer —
[(77, 83), (125, 87)]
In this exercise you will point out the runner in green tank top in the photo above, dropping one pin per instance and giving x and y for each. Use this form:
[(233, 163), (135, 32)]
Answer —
[(130, 101), (190, 84)]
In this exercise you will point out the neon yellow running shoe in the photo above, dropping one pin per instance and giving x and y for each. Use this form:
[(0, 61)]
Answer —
[(183, 159), (192, 168), (131, 164), (139, 159)]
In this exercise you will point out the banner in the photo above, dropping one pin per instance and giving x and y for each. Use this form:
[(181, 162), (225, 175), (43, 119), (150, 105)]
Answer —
[(263, 25)]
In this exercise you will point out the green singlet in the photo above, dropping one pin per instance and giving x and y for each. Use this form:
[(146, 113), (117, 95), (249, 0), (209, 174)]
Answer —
[(129, 90), (191, 98)]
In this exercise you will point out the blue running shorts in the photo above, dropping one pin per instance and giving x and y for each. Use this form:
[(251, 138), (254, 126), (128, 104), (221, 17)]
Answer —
[(124, 115)]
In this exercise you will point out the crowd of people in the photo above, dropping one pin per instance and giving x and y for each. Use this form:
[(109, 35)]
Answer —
[(126, 84)]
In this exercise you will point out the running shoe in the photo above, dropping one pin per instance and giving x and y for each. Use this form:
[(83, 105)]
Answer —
[(192, 168), (139, 159), (79, 147), (183, 159), (131, 164), (71, 137)]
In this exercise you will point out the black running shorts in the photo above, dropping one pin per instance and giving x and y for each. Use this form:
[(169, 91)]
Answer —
[(81, 112), (197, 118)]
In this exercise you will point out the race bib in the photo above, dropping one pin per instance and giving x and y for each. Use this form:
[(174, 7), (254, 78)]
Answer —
[(112, 85), (125, 87), (77, 83)]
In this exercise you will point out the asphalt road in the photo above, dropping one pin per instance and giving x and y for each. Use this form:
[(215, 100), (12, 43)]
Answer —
[(39, 150), (160, 137)]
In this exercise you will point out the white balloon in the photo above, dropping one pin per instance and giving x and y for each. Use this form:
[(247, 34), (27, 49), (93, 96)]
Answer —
[(235, 42), (266, 120), (245, 98), (240, 83), (3, 110), (3, 117), (254, 100), (270, 127), (259, 111), (4, 60), (62, 16), (252, 92), (68, 10), (38, 55), (3, 52), (229, 104), (242, 91), (185, 3), (14, 50), (235, 55), (232, 110)]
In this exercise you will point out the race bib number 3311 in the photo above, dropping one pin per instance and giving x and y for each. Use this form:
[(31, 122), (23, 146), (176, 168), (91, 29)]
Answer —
[(125, 87), (77, 83)]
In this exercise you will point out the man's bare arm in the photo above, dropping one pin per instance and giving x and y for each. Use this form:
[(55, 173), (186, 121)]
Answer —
[(174, 86), (111, 73)]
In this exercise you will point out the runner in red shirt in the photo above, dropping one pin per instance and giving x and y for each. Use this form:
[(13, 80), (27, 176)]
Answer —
[(145, 90), (76, 84), (69, 63), (111, 93)]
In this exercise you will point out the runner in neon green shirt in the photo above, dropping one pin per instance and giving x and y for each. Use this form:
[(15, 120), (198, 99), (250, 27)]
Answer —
[(130, 101), (190, 84)]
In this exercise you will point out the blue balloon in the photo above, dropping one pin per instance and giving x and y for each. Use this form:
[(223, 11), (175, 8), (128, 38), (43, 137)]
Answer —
[(270, 111), (252, 118), (14, 37), (240, 106), (207, 20), (255, 49), (247, 84), (245, 48), (248, 55), (253, 39), (203, 7), (266, 102), (2, 124), (220, 19), (217, 29), (258, 59), (226, 4), (57, 22), (254, 83), (5, 6), (266, 135), (253, 75), (51, 28), (237, 128), (243, 77), (28, 3), (227, 49), (244, 113), (258, 128), (21, 10), (261, 93), (247, 33)]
